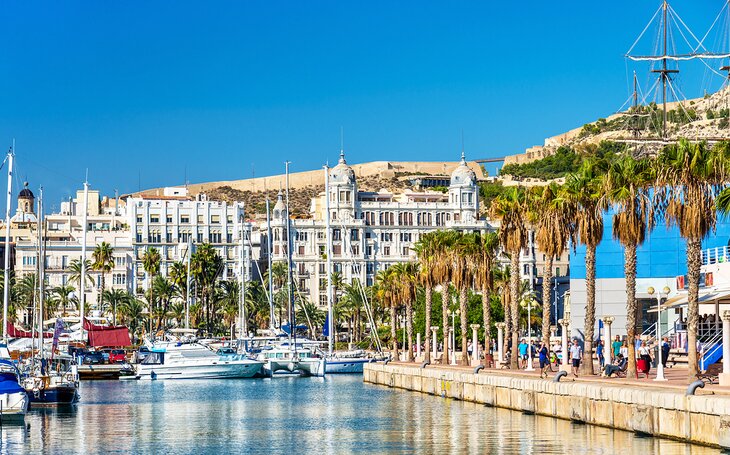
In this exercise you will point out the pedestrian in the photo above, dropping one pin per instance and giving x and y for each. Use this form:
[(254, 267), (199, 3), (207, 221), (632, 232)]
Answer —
[(616, 346), (544, 360), (599, 353), (576, 353), (637, 345), (665, 351), (522, 350), (624, 350), (645, 355)]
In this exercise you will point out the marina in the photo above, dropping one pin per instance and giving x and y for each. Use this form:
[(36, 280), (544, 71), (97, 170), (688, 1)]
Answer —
[(259, 416)]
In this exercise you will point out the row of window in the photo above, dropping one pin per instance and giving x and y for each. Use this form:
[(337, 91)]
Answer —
[(406, 218), (184, 237), (184, 219)]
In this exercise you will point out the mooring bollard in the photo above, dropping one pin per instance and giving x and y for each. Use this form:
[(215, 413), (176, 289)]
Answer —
[(560, 375), (424, 364), (693, 387), (477, 368)]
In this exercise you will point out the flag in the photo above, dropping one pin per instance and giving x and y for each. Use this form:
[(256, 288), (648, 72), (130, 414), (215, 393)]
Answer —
[(326, 328), (56, 334)]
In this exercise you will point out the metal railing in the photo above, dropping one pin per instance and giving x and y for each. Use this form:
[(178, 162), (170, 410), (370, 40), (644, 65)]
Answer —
[(716, 255)]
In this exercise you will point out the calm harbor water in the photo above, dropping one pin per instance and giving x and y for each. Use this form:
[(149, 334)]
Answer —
[(301, 415)]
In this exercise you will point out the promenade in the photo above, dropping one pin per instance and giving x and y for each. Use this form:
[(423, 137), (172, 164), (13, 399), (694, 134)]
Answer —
[(644, 406)]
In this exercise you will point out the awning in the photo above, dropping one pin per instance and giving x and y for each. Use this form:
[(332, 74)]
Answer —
[(103, 336), (708, 297)]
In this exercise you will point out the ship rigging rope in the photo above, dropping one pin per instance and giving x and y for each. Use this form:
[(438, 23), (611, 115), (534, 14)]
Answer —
[(700, 44), (643, 31)]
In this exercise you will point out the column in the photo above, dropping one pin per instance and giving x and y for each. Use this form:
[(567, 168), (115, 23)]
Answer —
[(500, 342), (553, 331), (565, 366), (434, 342), (418, 345), (452, 346), (725, 375), (474, 344), (608, 320)]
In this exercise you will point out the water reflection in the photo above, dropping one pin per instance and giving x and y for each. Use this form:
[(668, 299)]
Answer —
[(296, 415)]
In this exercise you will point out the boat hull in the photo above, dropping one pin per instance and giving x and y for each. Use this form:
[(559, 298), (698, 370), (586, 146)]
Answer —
[(308, 367), (54, 396), (203, 371), (345, 366), (13, 406)]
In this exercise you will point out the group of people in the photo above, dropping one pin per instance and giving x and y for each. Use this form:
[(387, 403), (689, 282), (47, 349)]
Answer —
[(620, 354)]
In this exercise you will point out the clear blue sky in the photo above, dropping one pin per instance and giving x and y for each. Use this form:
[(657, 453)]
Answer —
[(139, 91)]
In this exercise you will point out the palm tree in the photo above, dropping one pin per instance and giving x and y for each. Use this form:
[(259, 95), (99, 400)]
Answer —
[(425, 251), (405, 276), (151, 262), (464, 253), (552, 216), (257, 305), (689, 177), (511, 209), (627, 185), (165, 291), (585, 190), (387, 290), (178, 275), (133, 312), (103, 262), (114, 298), (64, 295), (74, 270), (502, 282), (25, 290), (206, 266), (228, 298), (484, 262), (177, 312), (309, 312), (442, 270)]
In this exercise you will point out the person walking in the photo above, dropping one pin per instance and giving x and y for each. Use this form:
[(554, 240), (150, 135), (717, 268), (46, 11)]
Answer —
[(544, 360), (522, 350), (665, 351), (576, 352), (616, 347), (599, 354), (645, 355)]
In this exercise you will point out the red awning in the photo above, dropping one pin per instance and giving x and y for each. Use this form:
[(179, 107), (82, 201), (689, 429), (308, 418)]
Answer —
[(107, 336), (14, 332)]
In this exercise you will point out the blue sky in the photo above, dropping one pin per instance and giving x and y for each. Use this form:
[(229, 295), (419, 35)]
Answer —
[(140, 92)]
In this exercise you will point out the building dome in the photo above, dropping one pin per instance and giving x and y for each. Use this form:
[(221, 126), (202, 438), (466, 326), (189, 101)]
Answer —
[(342, 174), (279, 207), (25, 193), (463, 175)]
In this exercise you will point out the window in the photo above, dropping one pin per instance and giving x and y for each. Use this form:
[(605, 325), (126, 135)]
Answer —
[(322, 268), (323, 299), (386, 236), (557, 271), (301, 269), (168, 220), (356, 269), (370, 267), (355, 250), (386, 251), (229, 237), (64, 262), (139, 218), (154, 218), (185, 219), (303, 285), (336, 234), (323, 284), (300, 251), (184, 237), (215, 237), (215, 219), (229, 219), (321, 250), (405, 237), (201, 220), (405, 251), (337, 267), (301, 236), (355, 234), (200, 237), (336, 250), (368, 250), (119, 261)]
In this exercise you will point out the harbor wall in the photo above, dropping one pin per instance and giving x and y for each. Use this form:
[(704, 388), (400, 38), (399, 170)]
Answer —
[(700, 419)]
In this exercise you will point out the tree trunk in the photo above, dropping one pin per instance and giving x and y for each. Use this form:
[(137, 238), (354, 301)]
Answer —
[(547, 281), (630, 274), (427, 350), (586, 366), (514, 288), (393, 332), (445, 322), (463, 298), (507, 307), (487, 320), (694, 263), (409, 330)]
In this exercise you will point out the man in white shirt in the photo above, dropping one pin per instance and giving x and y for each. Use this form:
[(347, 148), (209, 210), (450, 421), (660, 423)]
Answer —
[(576, 353)]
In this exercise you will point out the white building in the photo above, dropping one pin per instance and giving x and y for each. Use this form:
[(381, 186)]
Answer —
[(172, 222), (370, 230)]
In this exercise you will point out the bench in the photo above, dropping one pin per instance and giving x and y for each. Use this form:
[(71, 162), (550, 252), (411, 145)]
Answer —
[(711, 374)]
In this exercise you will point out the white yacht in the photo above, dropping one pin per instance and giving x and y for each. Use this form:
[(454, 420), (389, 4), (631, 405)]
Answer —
[(14, 400), (283, 358), (193, 361)]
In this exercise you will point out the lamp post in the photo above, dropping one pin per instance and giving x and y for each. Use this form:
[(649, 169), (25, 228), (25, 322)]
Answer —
[(565, 322), (434, 340), (529, 302), (403, 327), (500, 341), (724, 377), (660, 365), (453, 314), (474, 344)]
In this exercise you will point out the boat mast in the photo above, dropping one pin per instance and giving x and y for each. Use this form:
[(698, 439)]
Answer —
[(664, 71), (82, 280), (6, 278), (328, 254), (271, 278), (187, 283), (41, 271), (289, 267), (242, 327)]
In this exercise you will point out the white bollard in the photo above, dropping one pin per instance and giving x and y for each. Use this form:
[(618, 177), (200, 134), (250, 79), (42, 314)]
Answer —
[(500, 341)]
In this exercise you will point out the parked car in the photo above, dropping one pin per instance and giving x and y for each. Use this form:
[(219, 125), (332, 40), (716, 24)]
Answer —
[(117, 356), (93, 358)]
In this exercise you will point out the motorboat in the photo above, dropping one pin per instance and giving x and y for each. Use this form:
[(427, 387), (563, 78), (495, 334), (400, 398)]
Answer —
[(14, 400), (283, 358), (347, 362), (193, 361)]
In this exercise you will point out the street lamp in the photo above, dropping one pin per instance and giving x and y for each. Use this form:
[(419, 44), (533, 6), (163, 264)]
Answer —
[(453, 315), (660, 366), (529, 302)]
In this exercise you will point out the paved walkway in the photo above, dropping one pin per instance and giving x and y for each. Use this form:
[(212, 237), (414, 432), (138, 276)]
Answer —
[(676, 377)]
